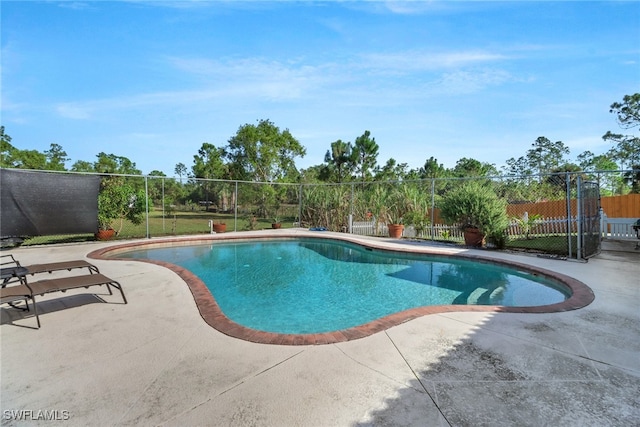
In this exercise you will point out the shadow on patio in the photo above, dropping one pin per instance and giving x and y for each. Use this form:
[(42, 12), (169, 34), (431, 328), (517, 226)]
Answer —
[(526, 370)]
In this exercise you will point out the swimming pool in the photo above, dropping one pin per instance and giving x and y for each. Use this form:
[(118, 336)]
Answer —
[(316, 287)]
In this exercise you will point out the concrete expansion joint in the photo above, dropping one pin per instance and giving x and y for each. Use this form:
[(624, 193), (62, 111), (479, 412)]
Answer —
[(178, 350), (433, 399), (377, 371), (279, 363)]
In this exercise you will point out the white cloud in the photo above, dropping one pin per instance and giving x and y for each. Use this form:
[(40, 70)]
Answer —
[(412, 7), (75, 5), (77, 111), (294, 79), (359, 82), (82, 110), (405, 61), (406, 7), (461, 82), (420, 61), (175, 4), (257, 77)]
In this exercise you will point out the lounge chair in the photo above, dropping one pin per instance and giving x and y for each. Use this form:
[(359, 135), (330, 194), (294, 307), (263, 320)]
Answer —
[(63, 284), (9, 263), (25, 290), (20, 292)]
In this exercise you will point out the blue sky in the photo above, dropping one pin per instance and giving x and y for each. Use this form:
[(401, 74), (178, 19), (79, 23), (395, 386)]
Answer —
[(152, 81)]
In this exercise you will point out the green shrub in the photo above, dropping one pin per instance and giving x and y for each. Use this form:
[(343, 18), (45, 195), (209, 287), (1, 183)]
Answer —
[(473, 205), (119, 200)]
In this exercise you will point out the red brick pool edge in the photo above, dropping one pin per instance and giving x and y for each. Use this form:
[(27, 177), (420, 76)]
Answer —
[(581, 294)]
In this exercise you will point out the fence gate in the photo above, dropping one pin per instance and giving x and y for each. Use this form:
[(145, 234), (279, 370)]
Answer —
[(588, 219)]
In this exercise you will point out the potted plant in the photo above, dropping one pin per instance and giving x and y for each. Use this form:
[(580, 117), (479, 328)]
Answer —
[(478, 210), (392, 212), (276, 220), (219, 227), (398, 208), (118, 200), (394, 207), (392, 215), (395, 230)]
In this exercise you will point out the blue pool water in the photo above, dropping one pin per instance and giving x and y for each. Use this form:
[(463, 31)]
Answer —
[(309, 286)]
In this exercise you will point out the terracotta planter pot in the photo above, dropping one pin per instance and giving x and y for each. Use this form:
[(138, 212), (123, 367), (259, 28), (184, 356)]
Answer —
[(276, 225), (395, 230), (105, 234), (219, 228), (473, 237)]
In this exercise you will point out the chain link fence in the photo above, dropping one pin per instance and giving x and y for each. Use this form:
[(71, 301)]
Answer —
[(546, 214), (543, 213)]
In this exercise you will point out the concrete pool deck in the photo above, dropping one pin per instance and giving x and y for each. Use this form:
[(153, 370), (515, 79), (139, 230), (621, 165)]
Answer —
[(155, 361)]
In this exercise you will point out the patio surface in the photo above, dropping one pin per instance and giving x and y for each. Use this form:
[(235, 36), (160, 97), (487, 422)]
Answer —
[(155, 361)]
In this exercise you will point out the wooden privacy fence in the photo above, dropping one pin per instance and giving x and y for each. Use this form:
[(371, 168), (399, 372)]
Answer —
[(626, 206)]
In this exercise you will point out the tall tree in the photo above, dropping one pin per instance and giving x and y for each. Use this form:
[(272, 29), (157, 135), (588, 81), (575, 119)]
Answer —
[(82, 166), (6, 150), (157, 187), (180, 170), (627, 148), (12, 157), (52, 159), (559, 177), (433, 169), (628, 111), (263, 153), (366, 152), (597, 168), (632, 178), (391, 171), (209, 163), (312, 174), (517, 167), (28, 159), (545, 156), (112, 164), (56, 158), (339, 161), (466, 167)]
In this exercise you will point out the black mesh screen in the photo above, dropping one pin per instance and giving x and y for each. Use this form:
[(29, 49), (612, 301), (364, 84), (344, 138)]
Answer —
[(41, 204)]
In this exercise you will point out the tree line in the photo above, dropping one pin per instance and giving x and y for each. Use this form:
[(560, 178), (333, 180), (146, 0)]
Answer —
[(262, 152)]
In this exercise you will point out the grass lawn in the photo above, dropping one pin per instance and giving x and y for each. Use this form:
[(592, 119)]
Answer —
[(194, 223), (547, 244), (556, 245), (180, 223)]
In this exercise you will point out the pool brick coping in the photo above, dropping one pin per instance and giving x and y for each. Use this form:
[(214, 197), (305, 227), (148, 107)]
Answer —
[(581, 294)]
